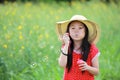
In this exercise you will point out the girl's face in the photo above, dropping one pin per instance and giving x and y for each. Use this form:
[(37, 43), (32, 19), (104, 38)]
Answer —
[(77, 30)]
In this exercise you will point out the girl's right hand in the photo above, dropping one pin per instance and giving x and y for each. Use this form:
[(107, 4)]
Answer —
[(66, 39)]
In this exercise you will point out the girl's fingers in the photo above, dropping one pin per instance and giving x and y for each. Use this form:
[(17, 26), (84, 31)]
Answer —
[(66, 38), (83, 66), (67, 34)]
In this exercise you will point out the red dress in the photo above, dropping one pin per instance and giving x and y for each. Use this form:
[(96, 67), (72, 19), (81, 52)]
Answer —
[(75, 73)]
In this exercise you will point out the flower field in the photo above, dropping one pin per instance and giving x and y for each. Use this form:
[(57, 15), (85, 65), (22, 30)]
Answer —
[(29, 47)]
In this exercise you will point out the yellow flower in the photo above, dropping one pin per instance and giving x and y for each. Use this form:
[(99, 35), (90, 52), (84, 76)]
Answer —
[(22, 47), (20, 37), (46, 35), (36, 27), (57, 17), (22, 17), (7, 13), (7, 36), (30, 32), (5, 46), (28, 4), (4, 27), (13, 13), (51, 12), (29, 16), (19, 27), (40, 36)]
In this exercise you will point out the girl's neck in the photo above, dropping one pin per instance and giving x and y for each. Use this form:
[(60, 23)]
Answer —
[(77, 45)]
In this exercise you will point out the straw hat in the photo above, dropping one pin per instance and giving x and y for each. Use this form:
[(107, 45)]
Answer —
[(92, 28)]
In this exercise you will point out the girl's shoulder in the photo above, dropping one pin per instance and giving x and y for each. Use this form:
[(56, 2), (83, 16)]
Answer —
[(93, 50)]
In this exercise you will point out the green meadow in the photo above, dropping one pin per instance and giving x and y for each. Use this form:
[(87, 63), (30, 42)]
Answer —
[(29, 46)]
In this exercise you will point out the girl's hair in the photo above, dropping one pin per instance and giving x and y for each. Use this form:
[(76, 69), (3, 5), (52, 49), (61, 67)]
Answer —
[(85, 47)]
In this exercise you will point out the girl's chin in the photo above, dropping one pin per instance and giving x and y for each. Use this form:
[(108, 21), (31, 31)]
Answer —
[(77, 39)]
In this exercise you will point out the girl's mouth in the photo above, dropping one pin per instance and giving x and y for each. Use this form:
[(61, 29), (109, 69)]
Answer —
[(76, 35)]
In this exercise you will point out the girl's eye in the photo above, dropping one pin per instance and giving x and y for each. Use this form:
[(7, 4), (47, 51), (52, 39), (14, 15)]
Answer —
[(80, 27), (73, 28)]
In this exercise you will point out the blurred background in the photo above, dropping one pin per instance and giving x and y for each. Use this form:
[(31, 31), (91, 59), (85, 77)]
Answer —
[(29, 46)]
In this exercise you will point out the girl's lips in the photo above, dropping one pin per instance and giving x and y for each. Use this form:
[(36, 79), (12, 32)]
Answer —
[(76, 34)]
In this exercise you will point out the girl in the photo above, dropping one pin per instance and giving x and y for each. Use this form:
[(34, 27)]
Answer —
[(79, 55)]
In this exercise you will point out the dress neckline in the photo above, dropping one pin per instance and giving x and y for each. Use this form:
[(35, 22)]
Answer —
[(76, 52)]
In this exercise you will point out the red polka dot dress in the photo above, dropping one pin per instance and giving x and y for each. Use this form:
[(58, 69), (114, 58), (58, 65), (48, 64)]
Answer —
[(75, 73)]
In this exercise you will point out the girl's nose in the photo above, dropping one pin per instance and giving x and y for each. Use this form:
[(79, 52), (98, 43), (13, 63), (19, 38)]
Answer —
[(76, 30)]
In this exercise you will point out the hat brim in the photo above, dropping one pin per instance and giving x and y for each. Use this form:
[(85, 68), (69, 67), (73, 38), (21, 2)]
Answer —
[(94, 31)]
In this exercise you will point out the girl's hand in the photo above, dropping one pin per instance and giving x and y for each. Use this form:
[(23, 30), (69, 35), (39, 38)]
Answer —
[(66, 39), (83, 65)]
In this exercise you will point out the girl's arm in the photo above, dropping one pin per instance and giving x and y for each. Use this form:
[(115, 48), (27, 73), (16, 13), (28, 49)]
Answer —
[(94, 69), (63, 58)]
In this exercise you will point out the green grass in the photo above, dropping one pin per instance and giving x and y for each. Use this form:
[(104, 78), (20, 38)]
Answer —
[(29, 47)]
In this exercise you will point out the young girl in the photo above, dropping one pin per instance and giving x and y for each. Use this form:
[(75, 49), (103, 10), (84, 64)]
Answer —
[(79, 55)]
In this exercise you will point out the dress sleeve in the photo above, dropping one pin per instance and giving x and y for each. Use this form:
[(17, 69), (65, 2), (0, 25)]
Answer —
[(94, 52)]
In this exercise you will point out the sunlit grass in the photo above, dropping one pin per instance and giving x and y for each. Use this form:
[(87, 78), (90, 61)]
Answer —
[(29, 47)]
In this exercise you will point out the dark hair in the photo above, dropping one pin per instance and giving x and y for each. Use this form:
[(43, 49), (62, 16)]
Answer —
[(85, 47)]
